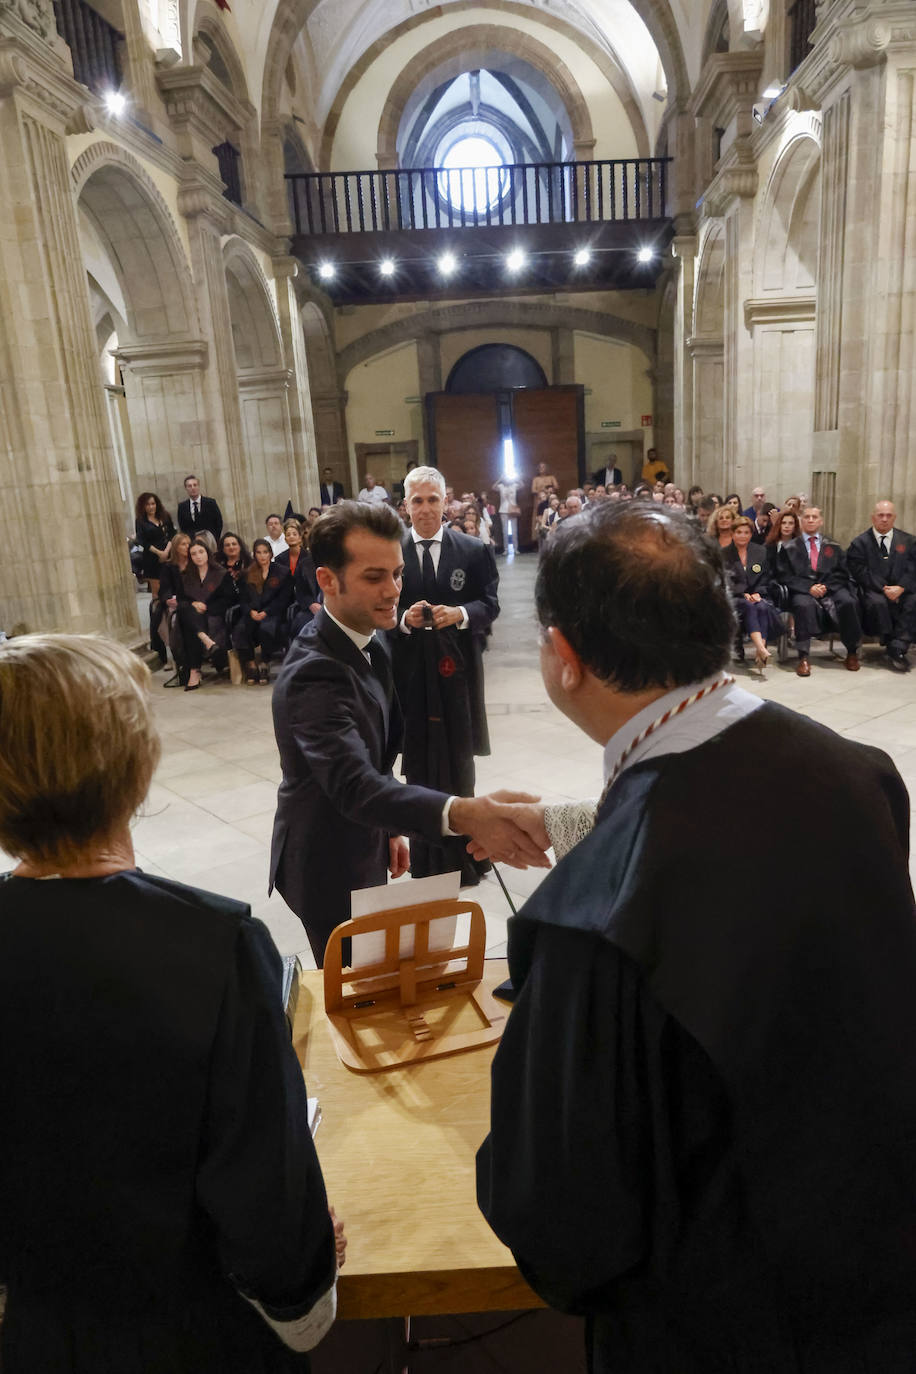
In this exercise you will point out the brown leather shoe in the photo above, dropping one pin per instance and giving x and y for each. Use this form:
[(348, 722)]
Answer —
[(852, 663), (804, 668)]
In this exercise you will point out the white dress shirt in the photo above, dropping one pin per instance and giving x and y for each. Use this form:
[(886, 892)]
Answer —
[(888, 535), (377, 494), (435, 553), (278, 545)]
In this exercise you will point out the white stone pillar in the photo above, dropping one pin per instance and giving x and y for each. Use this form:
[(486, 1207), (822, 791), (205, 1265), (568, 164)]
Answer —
[(56, 462), (684, 249), (302, 430)]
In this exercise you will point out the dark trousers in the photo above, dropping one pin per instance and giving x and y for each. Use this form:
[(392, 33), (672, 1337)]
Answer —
[(838, 610), (891, 621), (247, 633), (192, 623), (758, 616)]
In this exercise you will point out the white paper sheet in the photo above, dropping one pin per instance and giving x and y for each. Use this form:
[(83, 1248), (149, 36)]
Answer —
[(366, 901)]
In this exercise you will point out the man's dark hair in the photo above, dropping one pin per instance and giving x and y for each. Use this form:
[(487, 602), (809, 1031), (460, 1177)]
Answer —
[(273, 516), (640, 594), (191, 477), (326, 541), (707, 505)]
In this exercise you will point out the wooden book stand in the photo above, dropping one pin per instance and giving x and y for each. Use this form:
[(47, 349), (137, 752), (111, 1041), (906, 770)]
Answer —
[(403, 1009)]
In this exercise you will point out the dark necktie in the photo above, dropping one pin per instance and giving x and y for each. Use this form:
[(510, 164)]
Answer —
[(429, 572), (884, 546), (381, 666), (195, 511)]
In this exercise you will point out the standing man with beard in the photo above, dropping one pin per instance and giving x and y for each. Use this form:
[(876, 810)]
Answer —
[(448, 603)]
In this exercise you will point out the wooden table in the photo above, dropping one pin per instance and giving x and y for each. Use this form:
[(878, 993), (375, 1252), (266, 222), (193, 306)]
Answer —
[(397, 1152)]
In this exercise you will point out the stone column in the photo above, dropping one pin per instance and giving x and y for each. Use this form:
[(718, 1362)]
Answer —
[(57, 467), (329, 410), (429, 365), (707, 403), (563, 356), (684, 249), (302, 429), (225, 475)]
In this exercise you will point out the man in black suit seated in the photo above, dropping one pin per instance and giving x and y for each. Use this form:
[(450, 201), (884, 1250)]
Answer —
[(448, 603), (198, 512), (814, 571), (882, 563), (341, 816), (331, 491), (609, 476)]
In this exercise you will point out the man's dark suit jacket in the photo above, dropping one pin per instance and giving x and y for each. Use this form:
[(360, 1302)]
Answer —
[(336, 493), (209, 518), (793, 566), (868, 569), (338, 730), (466, 576), (599, 477)]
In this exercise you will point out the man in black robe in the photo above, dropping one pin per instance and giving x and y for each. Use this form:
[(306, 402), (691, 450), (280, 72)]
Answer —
[(448, 603), (704, 1106)]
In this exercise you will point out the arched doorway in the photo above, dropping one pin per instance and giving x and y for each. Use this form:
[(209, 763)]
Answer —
[(495, 367)]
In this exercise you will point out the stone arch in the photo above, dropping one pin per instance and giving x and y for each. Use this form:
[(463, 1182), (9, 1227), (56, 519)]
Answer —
[(518, 314), (291, 16), (788, 220), (716, 37), (256, 335), (133, 221), (207, 22), (709, 309), (463, 51)]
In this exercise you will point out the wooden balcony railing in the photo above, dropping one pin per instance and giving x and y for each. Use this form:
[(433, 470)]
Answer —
[(474, 197), (802, 18), (94, 45)]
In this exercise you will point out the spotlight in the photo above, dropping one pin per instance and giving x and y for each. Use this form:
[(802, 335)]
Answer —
[(326, 271), (759, 112), (386, 267), (515, 260), (115, 102), (773, 92), (646, 254), (583, 256), (447, 264)]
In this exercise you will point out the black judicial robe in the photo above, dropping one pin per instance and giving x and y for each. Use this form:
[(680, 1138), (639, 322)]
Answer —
[(153, 1134), (703, 1132), (439, 680)]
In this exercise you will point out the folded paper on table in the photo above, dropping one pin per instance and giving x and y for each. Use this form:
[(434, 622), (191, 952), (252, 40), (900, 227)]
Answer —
[(366, 901)]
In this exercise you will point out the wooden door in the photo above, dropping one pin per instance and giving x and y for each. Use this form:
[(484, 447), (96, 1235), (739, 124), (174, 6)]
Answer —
[(549, 427), (466, 442)]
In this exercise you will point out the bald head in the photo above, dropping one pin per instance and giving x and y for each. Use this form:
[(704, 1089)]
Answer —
[(883, 516)]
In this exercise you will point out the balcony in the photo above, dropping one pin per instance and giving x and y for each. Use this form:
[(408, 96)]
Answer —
[(95, 45), (435, 232)]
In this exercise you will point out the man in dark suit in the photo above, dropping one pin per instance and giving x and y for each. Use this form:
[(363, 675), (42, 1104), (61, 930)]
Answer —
[(448, 603), (198, 512), (814, 571), (609, 476), (331, 492), (882, 563), (341, 816)]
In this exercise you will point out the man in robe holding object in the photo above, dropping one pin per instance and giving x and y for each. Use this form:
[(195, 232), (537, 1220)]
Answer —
[(448, 603), (341, 817), (703, 1130)]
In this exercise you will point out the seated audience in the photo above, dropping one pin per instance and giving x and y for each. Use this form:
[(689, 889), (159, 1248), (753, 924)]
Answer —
[(749, 585), (311, 517), (265, 591), (373, 490), (208, 539), (821, 597), (882, 564), (298, 561), (169, 592), (734, 500), (720, 524), (154, 532), (758, 500), (694, 497), (783, 528), (233, 555), (207, 592), (275, 534), (163, 1205)]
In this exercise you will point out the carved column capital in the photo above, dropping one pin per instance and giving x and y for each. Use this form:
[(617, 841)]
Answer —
[(285, 268)]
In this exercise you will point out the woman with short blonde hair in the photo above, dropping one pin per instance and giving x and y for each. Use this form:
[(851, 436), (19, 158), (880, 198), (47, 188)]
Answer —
[(157, 1162)]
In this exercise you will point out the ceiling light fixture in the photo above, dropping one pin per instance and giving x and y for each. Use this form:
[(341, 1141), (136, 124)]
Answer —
[(326, 271), (646, 254), (515, 260), (583, 256), (773, 92), (386, 267), (115, 102), (447, 264)]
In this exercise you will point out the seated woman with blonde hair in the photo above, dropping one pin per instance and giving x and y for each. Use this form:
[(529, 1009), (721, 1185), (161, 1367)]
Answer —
[(163, 1206)]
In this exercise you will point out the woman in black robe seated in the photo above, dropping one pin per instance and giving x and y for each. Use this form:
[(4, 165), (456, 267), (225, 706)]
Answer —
[(169, 592), (751, 593), (207, 592), (162, 1203), (298, 561), (233, 555), (265, 591)]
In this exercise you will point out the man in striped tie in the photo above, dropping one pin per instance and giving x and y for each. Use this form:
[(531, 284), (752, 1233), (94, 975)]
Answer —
[(821, 596)]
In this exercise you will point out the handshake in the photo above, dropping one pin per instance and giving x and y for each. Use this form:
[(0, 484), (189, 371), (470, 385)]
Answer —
[(507, 827)]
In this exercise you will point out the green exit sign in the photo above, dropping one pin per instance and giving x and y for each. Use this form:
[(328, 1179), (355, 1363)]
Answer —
[(610, 424)]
